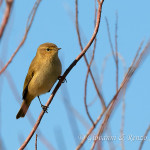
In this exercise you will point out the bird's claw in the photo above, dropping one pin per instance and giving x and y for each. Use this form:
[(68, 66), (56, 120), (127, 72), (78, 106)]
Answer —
[(65, 80), (44, 108)]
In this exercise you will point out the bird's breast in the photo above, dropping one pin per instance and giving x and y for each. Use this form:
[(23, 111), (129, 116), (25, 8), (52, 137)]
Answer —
[(44, 78)]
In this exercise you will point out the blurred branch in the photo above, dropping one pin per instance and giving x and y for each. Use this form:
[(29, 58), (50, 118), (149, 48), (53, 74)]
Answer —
[(143, 139), (65, 74), (2, 146), (1, 1), (116, 50), (60, 139), (70, 114), (21, 138), (80, 118), (6, 16), (86, 61), (123, 86), (28, 25), (36, 142), (122, 122)]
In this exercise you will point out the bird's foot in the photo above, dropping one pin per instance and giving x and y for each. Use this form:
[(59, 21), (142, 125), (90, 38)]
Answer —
[(59, 78), (44, 108)]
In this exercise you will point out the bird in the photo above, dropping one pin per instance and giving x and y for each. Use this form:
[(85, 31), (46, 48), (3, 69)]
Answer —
[(42, 74)]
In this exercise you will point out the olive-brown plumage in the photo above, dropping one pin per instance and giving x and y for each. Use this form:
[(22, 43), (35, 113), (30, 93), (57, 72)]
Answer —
[(43, 72)]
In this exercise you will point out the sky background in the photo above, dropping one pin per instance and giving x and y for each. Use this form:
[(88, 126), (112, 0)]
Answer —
[(55, 23)]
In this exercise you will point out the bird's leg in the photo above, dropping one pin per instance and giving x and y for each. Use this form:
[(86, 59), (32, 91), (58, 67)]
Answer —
[(59, 78), (43, 106)]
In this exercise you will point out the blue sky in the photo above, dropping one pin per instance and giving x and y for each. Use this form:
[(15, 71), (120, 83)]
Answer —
[(55, 22)]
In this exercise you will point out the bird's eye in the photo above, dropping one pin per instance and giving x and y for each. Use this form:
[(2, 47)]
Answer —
[(48, 49)]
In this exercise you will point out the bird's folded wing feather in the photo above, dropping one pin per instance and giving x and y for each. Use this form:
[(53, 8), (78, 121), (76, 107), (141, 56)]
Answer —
[(28, 78)]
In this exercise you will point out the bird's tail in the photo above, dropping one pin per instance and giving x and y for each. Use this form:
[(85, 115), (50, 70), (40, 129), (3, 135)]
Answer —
[(23, 110)]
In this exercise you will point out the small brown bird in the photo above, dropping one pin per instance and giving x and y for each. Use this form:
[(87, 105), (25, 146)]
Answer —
[(43, 72)]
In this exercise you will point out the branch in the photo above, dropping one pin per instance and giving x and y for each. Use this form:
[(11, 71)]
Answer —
[(123, 86), (109, 37), (87, 75), (1, 1), (117, 96), (6, 16), (36, 142), (64, 76), (85, 89), (145, 135), (86, 61), (29, 23), (116, 52)]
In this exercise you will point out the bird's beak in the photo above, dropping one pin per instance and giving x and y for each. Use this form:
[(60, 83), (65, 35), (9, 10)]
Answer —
[(59, 48)]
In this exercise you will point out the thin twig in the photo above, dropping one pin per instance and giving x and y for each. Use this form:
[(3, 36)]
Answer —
[(36, 142), (109, 37), (144, 137), (122, 122), (86, 61), (123, 107), (117, 95), (137, 53), (7, 13), (64, 76), (1, 1), (85, 89), (123, 86), (116, 54), (103, 69), (104, 65), (29, 23)]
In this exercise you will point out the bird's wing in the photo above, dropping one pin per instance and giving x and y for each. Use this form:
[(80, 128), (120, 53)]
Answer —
[(28, 78)]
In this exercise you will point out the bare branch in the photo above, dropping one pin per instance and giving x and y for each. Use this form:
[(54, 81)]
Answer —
[(85, 89), (122, 122), (29, 23), (1, 1), (64, 75), (145, 135), (123, 86), (116, 54), (115, 98), (109, 37), (5, 19), (86, 61), (36, 142)]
